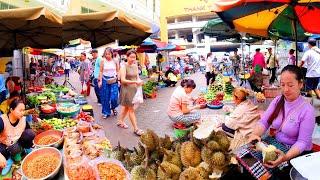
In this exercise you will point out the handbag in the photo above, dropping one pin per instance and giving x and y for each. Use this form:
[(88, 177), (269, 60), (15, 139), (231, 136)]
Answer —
[(112, 80)]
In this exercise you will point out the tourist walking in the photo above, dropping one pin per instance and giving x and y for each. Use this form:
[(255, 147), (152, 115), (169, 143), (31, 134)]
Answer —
[(209, 69), (236, 63), (311, 61), (96, 72), (67, 68), (84, 71), (258, 59), (130, 82), (108, 82), (272, 64)]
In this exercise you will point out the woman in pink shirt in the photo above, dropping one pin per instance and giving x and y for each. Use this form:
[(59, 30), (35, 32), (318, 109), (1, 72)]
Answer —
[(178, 110), (258, 59)]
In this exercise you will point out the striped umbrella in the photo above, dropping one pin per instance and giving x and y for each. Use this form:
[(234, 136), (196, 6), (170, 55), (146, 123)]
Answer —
[(286, 19)]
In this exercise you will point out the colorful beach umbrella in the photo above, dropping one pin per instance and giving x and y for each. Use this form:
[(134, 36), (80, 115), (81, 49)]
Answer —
[(286, 19)]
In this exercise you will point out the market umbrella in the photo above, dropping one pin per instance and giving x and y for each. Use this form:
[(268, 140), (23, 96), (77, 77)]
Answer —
[(105, 27), (216, 27), (286, 19), (35, 27)]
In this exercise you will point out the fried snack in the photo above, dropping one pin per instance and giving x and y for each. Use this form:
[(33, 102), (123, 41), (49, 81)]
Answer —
[(41, 166), (110, 171)]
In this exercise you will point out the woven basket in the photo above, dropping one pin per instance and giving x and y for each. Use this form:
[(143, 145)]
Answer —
[(271, 92)]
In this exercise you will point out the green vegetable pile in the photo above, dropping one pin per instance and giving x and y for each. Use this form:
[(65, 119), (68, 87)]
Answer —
[(57, 88), (149, 88), (60, 124), (35, 100)]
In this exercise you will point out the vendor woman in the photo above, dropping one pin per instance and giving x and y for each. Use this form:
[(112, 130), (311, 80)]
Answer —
[(290, 118), (15, 134), (242, 120), (179, 110)]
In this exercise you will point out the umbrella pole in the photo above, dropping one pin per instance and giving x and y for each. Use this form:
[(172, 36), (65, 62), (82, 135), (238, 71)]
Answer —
[(296, 39), (24, 73)]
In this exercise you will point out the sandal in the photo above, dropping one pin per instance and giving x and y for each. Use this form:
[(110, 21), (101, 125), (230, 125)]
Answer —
[(138, 132), (122, 125), (115, 112)]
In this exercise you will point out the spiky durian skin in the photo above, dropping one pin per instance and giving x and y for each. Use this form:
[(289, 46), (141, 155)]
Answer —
[(150, 139), (167, 170), (142, 173), (222, 139), (213, 145), (190, 173), (218, 159), (190, 154), (206, 154), (172, 157), (165, 142)]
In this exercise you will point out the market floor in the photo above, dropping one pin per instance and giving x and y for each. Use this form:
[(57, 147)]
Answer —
[(151, 114)]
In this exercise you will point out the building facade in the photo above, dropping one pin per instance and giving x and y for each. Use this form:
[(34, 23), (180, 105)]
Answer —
[(181, 21), (145, 11)]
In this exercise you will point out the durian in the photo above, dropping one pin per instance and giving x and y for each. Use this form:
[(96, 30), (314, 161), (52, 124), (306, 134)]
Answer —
[(269, 154), (190, 154), (118, 152), (223, 140), (143, 173), (150, 139), (218, 159), (172, 157), (165, 142), (190, 173), (213, 145), (206, 154), (167, 170)]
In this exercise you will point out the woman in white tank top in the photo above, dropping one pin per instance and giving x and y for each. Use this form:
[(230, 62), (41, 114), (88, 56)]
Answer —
[(108, 83)]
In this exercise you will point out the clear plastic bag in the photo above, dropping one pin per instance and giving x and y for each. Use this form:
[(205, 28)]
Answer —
[(138, 97), (81, 170), (109, 169)]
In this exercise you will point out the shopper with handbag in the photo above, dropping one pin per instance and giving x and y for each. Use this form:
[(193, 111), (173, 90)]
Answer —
[(130, 82), (85, 71), (108, 82)]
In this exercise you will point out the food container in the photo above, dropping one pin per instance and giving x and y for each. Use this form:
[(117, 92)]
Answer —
[(271, 92), (47, 109), (210, 106), (47, 151), (68, 109), (55, 133)]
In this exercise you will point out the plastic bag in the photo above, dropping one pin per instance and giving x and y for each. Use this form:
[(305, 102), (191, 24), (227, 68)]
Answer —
[(84, 87), (138, 97), (109, 168), (81, 170)]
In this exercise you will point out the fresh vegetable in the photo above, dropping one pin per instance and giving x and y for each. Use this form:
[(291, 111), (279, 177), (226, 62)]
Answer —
[(216, 102), (85, 117)]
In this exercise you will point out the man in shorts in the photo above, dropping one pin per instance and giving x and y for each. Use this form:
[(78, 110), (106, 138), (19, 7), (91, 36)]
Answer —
[(311, 61)]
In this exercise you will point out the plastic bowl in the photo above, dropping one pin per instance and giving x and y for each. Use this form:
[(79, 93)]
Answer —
[(55, 133), (48, 151), (178, 133), (48, 111), (71, 113), (215, 106)]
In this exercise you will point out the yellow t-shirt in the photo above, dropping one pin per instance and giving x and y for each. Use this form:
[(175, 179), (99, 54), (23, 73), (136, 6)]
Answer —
[(4, 106)]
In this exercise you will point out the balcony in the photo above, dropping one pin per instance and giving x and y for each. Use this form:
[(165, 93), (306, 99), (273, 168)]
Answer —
[(186, 25)]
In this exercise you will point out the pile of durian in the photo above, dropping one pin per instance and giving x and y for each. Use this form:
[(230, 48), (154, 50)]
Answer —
[(186, 158)]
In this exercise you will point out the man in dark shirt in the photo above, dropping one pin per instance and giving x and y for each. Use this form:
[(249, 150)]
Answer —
[(33, 71)]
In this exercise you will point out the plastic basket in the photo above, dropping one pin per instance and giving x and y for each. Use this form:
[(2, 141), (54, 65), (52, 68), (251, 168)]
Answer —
[(178, 133)]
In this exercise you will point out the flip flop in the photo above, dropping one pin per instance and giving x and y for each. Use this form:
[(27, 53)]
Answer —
[(115, 112), (6, 169), (138, 132), (122, 125)]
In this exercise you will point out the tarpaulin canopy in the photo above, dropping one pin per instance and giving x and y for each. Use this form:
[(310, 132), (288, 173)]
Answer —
[(36, 27), (104, 27), (287, 19)]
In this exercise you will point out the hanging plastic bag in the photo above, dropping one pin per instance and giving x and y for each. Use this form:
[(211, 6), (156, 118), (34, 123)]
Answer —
[(138, 97), (84, 88)]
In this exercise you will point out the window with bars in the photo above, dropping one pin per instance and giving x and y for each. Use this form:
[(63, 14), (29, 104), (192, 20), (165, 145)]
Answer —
[(6, 6), (85, 10)]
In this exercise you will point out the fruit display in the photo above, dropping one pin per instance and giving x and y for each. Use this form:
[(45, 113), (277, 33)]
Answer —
[(54, 123), (85, 117), (212, 91), (201, 101), (184, 158), (215, 104), (228, 88)]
